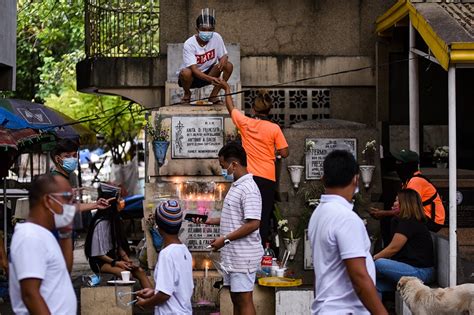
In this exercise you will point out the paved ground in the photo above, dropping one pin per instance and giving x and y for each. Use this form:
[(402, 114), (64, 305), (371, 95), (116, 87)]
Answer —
[(80, 268)]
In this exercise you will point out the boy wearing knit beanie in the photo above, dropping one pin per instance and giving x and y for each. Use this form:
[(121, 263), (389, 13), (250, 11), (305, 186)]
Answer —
[(173, 271)]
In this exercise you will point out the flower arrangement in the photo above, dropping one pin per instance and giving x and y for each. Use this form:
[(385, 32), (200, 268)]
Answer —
[(157, 133), (233, 136), (309, 145), (283, 227), (440, 154), (369, 152)]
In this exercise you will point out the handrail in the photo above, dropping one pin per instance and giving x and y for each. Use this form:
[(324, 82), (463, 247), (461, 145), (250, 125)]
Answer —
[(122, 28)]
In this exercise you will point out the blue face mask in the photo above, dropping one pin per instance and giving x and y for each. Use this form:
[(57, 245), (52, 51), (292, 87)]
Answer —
[(69, 164), (157, 239), (227, 176), (205, 36)]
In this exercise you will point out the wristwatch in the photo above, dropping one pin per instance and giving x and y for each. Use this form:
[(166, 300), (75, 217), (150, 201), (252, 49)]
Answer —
[(226, 241), (65, 235)]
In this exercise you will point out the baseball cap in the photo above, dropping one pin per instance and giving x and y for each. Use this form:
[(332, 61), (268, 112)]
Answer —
[(168, 216), (406, 156)]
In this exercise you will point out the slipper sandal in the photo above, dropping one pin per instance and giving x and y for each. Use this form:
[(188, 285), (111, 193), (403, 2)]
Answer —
[(185, 100), (216, 101)]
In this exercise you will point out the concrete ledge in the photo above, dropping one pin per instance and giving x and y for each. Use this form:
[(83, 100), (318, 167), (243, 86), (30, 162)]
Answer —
[(263, 299), (204, 287), (301, 299), (108, 73), (102, 301)]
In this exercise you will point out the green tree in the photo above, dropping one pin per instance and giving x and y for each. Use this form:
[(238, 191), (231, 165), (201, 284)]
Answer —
[(49, 44)]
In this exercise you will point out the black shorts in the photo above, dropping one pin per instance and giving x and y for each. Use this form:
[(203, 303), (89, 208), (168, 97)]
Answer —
[(198, 83), (96, 263)]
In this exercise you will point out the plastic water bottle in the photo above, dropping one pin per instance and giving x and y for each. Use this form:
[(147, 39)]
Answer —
[(267, 259), (274, 267)]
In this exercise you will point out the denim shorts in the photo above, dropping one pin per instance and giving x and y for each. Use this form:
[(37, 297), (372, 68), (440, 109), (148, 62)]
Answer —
[(240, 281)]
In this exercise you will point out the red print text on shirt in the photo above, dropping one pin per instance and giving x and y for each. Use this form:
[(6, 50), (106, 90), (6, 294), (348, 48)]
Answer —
[(208, 55)]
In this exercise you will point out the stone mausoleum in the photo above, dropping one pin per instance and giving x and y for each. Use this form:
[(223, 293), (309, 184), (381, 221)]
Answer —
[(330, 75)]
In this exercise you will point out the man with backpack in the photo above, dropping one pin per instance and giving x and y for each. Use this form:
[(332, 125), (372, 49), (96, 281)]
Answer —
[(407, 167)]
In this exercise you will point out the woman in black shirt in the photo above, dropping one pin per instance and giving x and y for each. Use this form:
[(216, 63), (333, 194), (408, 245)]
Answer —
[(410, 253)]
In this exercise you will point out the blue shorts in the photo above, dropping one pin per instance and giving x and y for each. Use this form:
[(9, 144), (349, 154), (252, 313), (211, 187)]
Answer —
[(240, 281)]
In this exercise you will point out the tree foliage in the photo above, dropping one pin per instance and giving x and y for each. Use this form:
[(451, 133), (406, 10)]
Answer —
[(50, 42)]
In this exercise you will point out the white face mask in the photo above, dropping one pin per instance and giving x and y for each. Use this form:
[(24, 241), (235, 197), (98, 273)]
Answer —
[(356, 191), (65, 218)]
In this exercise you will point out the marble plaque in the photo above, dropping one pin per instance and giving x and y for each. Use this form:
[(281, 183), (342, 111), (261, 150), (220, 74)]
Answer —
[(196, 137), (322, 147)]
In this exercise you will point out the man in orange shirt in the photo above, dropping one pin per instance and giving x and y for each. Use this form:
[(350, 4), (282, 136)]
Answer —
[(261, 138), (407, 166)]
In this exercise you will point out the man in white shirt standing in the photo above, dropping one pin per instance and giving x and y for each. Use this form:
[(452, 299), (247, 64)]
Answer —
[(343, 266), (39, 279), (239, 226), (204, 59)]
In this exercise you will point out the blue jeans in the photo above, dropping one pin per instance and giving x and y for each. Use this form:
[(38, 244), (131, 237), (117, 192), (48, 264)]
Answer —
[(389, 273)]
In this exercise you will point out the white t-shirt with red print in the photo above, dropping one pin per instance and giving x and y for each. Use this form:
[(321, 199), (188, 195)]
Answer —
[(204, 57)]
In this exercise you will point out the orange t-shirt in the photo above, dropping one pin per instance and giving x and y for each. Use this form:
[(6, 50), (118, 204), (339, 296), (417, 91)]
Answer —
[(260, 138), (426, 191)]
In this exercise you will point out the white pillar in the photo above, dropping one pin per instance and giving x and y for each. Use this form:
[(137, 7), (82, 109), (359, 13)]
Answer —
[(414, 110), (452, 175)]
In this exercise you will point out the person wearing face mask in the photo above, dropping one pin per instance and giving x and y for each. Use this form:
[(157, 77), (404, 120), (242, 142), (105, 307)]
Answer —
[(343, 266), (240, 243), (65, 161), (39, 278), (106, 246), (407, 168), (174, 269), (205, 59), (263, 140)]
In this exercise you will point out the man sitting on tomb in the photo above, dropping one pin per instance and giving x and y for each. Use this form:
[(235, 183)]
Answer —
[(204, 59), (408, 169)]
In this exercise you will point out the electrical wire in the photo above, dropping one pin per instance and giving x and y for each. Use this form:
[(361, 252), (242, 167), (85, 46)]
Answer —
[(139, 111)]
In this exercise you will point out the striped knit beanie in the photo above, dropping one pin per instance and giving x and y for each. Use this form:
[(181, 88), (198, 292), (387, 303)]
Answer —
[(168, 216)]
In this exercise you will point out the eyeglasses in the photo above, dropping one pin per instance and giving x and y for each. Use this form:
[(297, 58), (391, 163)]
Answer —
[(70, 197)]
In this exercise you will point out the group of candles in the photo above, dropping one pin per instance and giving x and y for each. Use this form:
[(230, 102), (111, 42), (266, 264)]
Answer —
[(208, 196), (202, 202)]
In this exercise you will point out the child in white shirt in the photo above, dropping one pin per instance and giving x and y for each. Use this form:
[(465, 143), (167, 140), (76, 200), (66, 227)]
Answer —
[(173, 272)]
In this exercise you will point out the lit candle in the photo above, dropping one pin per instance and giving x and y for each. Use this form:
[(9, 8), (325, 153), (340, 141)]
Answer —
[(220, 192), (178, 191), (206, 269)]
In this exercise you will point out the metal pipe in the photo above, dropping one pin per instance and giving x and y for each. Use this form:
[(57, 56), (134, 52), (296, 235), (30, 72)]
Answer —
[(452, 176), (145, 148), (5, 214), (413, 89)]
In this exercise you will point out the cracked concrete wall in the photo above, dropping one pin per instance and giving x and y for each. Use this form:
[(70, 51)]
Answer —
[(298, 27), (8, 44)]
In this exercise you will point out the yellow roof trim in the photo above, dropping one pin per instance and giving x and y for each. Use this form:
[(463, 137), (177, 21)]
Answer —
[(455, 53), (437, 46), (397, 12), (462, 45), (462, 56)]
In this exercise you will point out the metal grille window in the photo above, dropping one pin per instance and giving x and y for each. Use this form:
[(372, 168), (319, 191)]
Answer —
[(291, 106), (122, 28)]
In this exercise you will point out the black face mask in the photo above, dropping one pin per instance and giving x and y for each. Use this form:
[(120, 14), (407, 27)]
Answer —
[(406, 170)]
